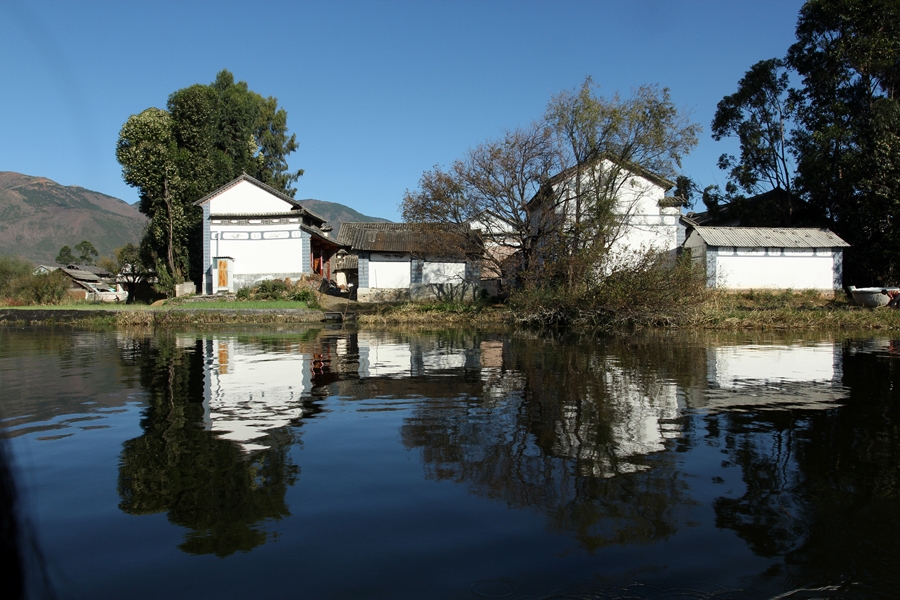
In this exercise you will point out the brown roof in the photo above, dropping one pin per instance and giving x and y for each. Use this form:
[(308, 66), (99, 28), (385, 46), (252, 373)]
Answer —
[(414, 238)]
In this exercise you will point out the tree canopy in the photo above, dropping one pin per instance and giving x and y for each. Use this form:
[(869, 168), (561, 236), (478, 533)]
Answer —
[(839, 127), (509, 187), (206, 136)]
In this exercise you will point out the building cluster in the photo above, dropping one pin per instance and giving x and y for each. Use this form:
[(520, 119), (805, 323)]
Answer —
[(252, 232)]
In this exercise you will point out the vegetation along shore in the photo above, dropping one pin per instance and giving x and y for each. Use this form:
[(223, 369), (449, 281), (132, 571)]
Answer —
[(750, 310)]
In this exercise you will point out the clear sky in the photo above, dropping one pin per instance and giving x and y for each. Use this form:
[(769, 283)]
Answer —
[(377, 91)]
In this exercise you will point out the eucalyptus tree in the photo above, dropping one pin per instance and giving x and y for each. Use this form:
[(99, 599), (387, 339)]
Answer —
[(847, 55), (207, 136), (760, 114)]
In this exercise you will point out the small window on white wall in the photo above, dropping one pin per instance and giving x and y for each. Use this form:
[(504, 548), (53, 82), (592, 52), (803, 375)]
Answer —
[(751, 251), (726, 250)]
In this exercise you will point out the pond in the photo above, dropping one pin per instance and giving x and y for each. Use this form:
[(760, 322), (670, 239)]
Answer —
[(324, 462)]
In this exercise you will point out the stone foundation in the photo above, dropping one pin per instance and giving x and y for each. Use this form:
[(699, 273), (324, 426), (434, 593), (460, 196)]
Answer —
[(422, 292)]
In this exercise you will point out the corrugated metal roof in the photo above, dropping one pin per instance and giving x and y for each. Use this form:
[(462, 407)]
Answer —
[(773, 237)]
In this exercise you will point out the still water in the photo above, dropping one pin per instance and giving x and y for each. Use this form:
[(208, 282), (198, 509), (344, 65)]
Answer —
[(332, 463)]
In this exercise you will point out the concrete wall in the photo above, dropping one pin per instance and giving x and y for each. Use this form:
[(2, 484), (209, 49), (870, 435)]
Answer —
[(247, 198), (774, 268), (395, 277)]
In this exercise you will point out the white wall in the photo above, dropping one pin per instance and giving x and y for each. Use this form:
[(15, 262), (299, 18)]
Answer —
[(257, 248), (642, 223), (443, 272), (245, 198), (250, 391), (775, 268), (389, 271)]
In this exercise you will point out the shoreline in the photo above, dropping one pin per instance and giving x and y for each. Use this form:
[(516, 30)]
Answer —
[(842, 317)]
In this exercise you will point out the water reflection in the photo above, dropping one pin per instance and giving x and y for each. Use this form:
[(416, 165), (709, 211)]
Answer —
[(209, 399), (783, 451)]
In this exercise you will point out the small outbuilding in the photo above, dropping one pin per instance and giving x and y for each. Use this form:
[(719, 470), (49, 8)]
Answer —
[(411, 261), (90, 283), (773, 258)]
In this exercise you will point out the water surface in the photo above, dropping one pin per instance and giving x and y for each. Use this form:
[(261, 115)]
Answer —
[(328, 463)]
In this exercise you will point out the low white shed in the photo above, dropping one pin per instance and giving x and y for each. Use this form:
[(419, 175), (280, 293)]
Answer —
[(742, 258)]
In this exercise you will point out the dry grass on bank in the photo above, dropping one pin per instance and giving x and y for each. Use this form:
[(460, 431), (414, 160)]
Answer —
[(788, 310), (775, 311)]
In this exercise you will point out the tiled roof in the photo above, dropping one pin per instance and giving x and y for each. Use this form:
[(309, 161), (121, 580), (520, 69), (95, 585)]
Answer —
[(415, 238), (773, 237), (343, 261)]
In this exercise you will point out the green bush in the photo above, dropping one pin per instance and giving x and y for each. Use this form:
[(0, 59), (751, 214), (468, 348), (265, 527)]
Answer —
[(47, 288), (271, 289), (18, 286), (303, 295), (14, 272)]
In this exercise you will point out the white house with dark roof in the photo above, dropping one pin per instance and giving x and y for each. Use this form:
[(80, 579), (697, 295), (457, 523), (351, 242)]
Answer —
[(643, 219), (412, 261), (742, 258), (253, 232)]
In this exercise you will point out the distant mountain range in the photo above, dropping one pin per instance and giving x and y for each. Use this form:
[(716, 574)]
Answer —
[(39, 216), (335, 214)]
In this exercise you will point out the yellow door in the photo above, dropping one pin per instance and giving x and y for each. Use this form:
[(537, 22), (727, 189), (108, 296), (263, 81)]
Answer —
[(222, 269)]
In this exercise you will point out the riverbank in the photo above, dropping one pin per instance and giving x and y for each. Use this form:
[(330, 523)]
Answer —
[(745, 311)]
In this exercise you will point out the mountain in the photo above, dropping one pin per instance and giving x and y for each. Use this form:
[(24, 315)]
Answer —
[(39, 216), (335, 213)]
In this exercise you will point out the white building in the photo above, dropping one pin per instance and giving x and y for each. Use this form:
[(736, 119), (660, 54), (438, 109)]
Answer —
[(643, 217), (253, 232), (412, 261), (743, 258)]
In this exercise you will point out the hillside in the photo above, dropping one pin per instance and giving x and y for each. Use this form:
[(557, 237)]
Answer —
[(39, 216), (338, 213)]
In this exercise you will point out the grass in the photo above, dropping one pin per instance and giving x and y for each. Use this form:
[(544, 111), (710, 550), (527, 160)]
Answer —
[(751, 310), (789, 310)]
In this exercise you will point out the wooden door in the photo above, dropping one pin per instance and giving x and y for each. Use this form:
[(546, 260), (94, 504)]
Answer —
[(222, 269)]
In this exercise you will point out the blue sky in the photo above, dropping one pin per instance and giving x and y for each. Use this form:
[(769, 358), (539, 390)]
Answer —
[(377, 91)]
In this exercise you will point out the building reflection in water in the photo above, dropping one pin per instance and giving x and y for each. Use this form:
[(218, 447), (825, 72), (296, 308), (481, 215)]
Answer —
[(250, 389), (583, 433)]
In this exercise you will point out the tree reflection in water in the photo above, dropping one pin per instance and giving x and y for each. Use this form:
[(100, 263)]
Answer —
[(204, 483), (568, 430), (822, 486)]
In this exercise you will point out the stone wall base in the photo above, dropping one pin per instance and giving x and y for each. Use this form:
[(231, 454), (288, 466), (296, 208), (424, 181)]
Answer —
[(422, 292), (185, 289)]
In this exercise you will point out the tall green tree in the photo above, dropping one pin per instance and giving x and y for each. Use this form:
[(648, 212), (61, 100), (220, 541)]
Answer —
[(848, 56), (86, 252), (207, 136), (65, 256), (760, 114)]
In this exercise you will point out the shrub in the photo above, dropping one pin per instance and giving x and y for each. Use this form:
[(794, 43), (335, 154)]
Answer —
[(649, 289), (18, 286), (47, 288), (303, 295)]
